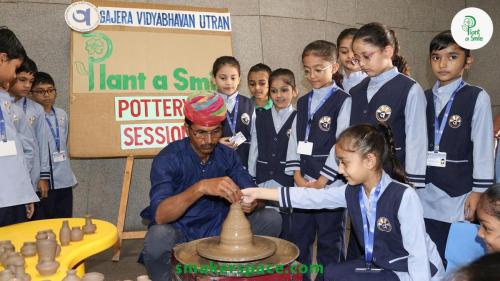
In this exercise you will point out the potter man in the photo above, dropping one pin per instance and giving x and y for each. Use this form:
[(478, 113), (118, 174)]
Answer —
[(193, 182)]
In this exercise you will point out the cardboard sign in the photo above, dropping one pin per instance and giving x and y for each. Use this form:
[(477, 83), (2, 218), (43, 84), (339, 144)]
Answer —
[(131, 75)]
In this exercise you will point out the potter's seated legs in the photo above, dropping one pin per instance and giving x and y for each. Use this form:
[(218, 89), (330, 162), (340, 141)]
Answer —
[(158, 244)]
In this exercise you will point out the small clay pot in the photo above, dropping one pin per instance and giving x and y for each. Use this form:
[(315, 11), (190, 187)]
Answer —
[(89, 227), (65, 234), (71, 276), (28, 249), (76, 233), (93, 276)]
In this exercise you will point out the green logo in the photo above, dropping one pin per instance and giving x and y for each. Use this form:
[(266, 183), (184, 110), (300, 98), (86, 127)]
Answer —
[(99, 48), (468, 26)]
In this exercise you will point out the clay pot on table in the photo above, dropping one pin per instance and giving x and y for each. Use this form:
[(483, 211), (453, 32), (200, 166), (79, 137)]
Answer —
[(89, 227), (65, 234), (28, 249), (76, 233), (46, 249)]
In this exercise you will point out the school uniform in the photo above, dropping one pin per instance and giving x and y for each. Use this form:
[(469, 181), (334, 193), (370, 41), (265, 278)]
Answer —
[(270, 136), (59, 203), (401, 246), (15, 163), (268, 147), (36, 119), (330, 109), (399, 101), (467, 140), (351, 80), (242, 122)]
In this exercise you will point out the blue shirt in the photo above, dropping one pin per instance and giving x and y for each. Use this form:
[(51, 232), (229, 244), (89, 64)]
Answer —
[(61, 173), (15, 185), (36, 120), (176, 168)]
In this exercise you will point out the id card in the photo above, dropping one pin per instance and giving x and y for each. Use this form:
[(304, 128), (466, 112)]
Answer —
[(436, 159), (59, 156), (305, 148), (238, 139), (8, 148)]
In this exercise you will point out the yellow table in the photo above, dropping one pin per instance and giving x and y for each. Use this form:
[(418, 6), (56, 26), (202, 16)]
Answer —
[(105, 237)]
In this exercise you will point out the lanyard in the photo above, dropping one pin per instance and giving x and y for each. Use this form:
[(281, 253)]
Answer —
[(25, 105), (439, 128), (232, 123), (369, 227), (311, 113), (55, 133), (3, 131)]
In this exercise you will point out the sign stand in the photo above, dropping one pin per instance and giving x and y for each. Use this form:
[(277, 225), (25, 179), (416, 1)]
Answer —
[(122, 212)]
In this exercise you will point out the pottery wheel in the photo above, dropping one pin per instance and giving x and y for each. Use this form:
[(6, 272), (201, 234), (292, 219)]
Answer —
[(260, 248), (286, 253)]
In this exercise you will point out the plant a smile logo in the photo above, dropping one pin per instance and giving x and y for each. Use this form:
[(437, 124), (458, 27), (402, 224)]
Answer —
[(472, 28)]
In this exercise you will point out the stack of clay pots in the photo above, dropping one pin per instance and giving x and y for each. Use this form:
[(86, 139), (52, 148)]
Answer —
[(6, 248), (12, 262)]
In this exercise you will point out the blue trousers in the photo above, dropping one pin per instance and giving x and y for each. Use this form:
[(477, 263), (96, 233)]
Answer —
[(161, 238), (12, 215), (58, 204), (438, 232), (328, 226)]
